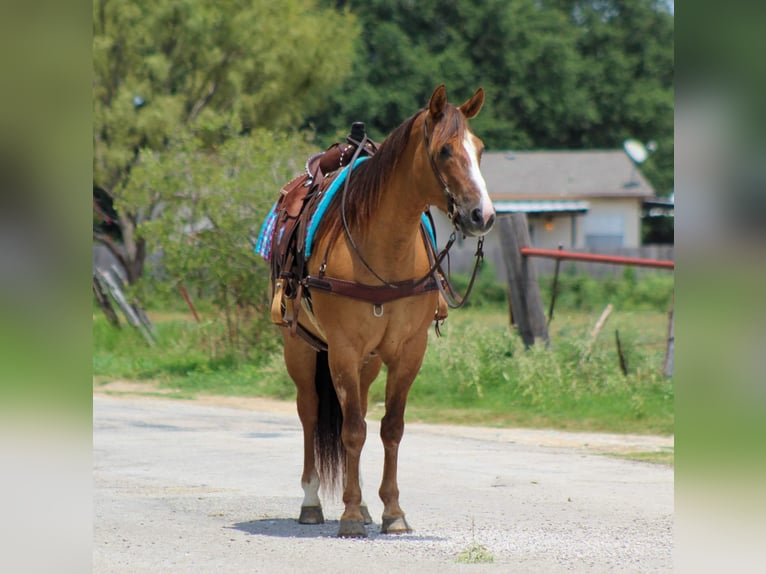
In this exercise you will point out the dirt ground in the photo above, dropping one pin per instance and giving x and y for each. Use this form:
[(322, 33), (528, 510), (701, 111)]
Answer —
[(214, 485)]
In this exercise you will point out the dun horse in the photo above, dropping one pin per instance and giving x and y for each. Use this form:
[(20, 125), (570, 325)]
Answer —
[(367, 294)]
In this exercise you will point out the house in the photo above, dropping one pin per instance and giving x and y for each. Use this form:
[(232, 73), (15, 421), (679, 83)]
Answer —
[(584, 200), (580, 199)]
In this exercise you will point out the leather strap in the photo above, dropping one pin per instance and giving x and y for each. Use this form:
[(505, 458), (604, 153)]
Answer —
[(375, 294)]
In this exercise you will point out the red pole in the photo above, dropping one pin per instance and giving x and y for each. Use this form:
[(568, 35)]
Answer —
[(186, 297), (594, 258)]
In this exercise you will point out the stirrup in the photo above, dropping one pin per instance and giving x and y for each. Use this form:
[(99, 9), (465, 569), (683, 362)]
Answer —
[(276, 303)]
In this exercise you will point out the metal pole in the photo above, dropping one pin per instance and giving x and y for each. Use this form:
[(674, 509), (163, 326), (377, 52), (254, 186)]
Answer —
[(555, 288), (595, 258)]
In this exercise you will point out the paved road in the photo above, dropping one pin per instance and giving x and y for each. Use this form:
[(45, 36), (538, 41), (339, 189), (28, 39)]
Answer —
[(184, 487)]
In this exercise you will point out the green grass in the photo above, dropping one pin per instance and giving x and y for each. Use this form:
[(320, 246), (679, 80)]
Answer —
[(480, 373), (189, 358), (475, 553), (477, 373), (665, 456)]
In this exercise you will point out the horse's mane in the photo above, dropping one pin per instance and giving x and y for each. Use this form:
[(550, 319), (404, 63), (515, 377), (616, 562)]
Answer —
[(369, 178)]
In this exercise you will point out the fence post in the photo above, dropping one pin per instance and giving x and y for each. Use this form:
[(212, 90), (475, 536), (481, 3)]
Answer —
[(523, 288), (671, 340)]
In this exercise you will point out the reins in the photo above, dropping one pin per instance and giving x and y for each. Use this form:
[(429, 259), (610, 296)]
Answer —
[(454, 300)]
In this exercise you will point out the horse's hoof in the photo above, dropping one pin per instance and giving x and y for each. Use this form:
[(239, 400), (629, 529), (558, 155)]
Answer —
[(395, 525), (352, 529), (365, 515), (311, 515)]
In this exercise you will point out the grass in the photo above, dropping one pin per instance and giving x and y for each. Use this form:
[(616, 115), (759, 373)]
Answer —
[(494, 381), (477, 373), (189, 359), (664, 456), (475, 553)]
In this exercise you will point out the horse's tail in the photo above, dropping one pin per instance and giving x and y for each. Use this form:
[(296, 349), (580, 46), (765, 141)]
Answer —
[(328, 447)]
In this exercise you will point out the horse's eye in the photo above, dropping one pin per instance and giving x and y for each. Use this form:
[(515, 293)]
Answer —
[(445, 152)]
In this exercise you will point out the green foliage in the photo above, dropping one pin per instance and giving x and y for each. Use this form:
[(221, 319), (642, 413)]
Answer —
[(487, 290), (216, 68), (480, 364), (201, 71), (558, 74), (653, 291), (190, 358), (212, 206), (477, 372), (576, 292), (475, 553)]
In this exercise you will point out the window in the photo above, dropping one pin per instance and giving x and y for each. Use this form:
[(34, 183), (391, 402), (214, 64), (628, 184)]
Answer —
[(604, 230)]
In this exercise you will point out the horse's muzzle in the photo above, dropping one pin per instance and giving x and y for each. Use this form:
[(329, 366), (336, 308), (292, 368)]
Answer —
[(475, 222)]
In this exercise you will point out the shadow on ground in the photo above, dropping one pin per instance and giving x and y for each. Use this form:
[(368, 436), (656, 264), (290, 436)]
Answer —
[(291, 528)]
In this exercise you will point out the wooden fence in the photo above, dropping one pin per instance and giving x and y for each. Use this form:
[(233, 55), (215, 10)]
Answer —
[(527, 311)]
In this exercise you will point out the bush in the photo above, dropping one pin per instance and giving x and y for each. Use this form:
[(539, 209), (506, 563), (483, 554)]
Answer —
[(577, 292), (213, 203), (481, 364), (487, 290), (580, 292)]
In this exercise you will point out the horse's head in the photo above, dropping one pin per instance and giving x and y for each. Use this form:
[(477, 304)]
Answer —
[(454, 152)]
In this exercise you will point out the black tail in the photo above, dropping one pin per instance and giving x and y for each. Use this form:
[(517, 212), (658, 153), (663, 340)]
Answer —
[(328, 446)]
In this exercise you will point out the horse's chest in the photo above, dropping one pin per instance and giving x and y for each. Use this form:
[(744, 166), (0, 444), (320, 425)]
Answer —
[(389, 330), (403, 324)]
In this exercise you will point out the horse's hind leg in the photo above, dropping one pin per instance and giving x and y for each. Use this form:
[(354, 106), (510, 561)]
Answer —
[(300, 360)]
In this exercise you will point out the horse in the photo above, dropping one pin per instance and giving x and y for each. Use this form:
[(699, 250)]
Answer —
[(373, 253)]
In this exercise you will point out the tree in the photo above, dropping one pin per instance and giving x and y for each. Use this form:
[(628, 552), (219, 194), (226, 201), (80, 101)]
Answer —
[(628, 45), (559, 74), (212, 206), (211, 69)]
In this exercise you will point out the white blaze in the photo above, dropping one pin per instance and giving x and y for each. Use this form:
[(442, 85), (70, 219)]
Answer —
[(474, 172)]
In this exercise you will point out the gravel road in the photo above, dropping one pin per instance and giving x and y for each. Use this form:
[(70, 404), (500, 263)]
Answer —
[(188, 487)]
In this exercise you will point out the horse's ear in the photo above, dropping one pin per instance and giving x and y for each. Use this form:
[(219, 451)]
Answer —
[(471, 107), (438, 101)]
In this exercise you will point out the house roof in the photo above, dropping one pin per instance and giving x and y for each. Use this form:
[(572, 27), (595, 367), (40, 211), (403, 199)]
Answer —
[(536, 207), (562, 175)]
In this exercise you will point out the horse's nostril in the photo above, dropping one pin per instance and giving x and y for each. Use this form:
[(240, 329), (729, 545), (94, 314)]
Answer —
[(491, 221), (477, 216)]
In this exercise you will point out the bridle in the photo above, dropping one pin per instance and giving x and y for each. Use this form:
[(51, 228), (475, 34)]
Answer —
[(454, 300), (439, 177)]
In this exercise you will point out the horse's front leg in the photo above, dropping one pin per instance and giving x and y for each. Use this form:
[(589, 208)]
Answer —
[(370, 370), (401, 374), (346, 374)]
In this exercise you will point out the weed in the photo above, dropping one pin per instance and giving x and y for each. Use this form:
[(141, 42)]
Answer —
[(475, 553)]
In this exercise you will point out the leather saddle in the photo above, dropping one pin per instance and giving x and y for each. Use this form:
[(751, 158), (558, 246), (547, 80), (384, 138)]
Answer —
[(296, 204)]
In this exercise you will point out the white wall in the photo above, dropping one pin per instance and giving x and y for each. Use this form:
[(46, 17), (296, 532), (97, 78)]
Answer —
[(611, 216), (559, 234)]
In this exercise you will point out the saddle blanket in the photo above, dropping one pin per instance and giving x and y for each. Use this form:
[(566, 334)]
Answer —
[(266, 234)]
